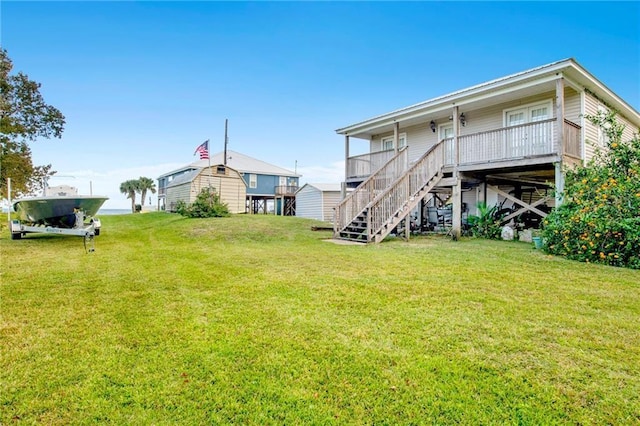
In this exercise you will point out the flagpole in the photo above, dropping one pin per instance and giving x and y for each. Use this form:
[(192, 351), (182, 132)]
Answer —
[(210, 172), (226, 140)]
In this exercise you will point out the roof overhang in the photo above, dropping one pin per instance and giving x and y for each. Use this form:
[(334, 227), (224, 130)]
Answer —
[(515, 86)]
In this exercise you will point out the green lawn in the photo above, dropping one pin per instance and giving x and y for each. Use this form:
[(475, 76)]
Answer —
[(257, 320)]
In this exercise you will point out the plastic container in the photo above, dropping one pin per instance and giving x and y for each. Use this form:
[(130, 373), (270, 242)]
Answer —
[(537, 242)]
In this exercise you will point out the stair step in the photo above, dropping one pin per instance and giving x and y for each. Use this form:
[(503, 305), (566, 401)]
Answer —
[(364, 242), (348, 233)]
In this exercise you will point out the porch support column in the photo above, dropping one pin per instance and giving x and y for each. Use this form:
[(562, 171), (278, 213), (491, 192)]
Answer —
[(346, 166), (456, 190), (559, 176), (407, 227), (396, 135)]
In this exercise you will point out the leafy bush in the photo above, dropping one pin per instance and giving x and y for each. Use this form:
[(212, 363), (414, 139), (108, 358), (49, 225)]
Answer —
[(486, 224), (599, 220), (207, 204)]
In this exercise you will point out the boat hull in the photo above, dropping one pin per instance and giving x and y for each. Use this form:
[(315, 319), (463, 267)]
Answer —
[(55, 210)]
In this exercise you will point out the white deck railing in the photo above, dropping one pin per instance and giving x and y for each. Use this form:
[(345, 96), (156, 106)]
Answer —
[(510, 143), (507, 143), (361, 166)]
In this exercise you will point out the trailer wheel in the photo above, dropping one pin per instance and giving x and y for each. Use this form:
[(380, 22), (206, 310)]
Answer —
[(16, 235)]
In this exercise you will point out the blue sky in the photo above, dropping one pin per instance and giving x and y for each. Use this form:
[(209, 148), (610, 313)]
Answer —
[(142, 84)]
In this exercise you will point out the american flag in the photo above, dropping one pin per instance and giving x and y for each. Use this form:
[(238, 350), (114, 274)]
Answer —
[(203, 150)]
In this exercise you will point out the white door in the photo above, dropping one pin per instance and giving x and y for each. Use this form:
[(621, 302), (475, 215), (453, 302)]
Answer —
[(446, 132), (540, 135), (517, 135)]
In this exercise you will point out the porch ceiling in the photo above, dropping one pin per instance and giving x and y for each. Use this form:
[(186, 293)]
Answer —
[(444, 110)]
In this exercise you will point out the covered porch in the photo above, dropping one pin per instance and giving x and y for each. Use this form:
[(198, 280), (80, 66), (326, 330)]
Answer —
[(527, 144)]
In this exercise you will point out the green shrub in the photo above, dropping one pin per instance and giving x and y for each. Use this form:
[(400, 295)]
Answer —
[(486, 224), (207, 204), (599, 220)]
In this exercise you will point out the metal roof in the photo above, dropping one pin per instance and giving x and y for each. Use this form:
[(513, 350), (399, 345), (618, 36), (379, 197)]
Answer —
[(184, 178), (245, 164), (325, 187), (240, 162), (569, 67)]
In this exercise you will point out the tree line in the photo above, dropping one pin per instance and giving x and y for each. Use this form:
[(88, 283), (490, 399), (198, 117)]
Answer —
[(137, 186)]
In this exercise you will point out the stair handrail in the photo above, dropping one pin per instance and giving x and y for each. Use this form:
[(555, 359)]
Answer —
[(388, 203), (358, 200)]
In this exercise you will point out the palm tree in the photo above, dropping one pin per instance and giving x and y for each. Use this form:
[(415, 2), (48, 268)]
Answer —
[(130, 188), (146, 184)]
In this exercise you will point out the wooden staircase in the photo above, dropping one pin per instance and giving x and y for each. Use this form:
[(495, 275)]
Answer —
[(387, 197)]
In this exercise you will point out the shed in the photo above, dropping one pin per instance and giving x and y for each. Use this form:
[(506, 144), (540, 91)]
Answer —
[(224, 181), (317, 200)]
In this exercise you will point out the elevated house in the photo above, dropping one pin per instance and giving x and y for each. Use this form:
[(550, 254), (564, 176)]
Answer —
[(220, 179), (505, 142), (269, 188)]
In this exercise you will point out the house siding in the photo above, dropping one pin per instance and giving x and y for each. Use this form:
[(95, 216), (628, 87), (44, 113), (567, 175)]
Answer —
[(229, 186), (572, 107), (309, 203), (591, 130), (177, 193), (629, 129), (330, 201), (266, 184), (314, 203)]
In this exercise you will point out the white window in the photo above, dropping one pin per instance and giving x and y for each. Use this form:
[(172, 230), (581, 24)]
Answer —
[(446, 131), (253, 181), (539, 113), (515, 118), (527, 114), (387, 143), (282, 181)]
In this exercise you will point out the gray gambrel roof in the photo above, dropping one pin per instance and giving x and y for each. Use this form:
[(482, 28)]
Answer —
[(184, 178), (568, 67), (190, 174)]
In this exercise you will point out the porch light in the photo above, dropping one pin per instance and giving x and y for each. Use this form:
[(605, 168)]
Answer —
[(463, 120), (433, 126)]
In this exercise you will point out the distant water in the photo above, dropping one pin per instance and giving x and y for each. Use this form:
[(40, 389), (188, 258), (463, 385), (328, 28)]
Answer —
[(105, 212)]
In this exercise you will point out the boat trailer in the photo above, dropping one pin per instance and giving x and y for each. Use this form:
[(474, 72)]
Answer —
[(86, 230)]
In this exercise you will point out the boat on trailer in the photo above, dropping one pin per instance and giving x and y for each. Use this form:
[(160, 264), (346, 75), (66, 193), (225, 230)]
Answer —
[(60, 210)]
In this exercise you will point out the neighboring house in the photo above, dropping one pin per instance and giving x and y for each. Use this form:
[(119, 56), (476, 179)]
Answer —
[(223, 180), (317, 200), (504, 142), (268, 187)]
